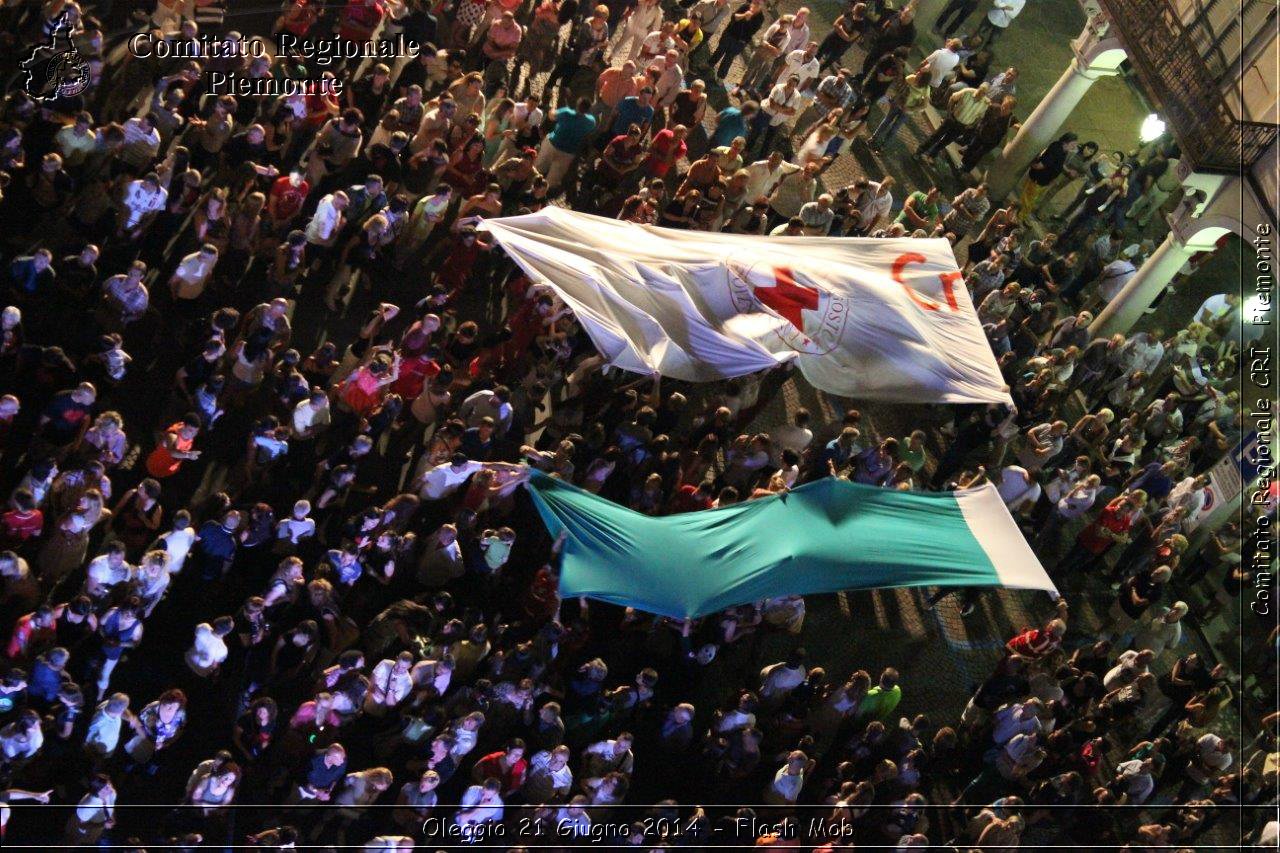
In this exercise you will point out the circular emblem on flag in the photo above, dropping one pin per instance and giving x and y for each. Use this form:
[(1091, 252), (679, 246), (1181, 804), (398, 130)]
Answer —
[(1210, 500), (814, 318)]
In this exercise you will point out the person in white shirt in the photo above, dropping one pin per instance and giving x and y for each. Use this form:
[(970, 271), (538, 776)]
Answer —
[(549, 777), (1129, 665), (1017, 488), (656, 44), (572, 821), (1064, 478), (209, 650), (141, 201), (389, 685), (874, 201), (495, 404), (798, 34), (640, 21), (1210, 759), (1162, 631), (999, 18), (106, 571), (802, 63), (298, 526), (795, 436), (741, 717), (525, 115), (779, 679), (433, 674), (787, 783), (1114, 277), (777, 110), (480, 804), (765, 175), (188, 281), (312, 415), (446, 478), (1217, 307), (609, 756), (942, 62), (326, 223), (1135, 780), (670, 80), (1080, 499), (21, 739), (94, 814), (1142, 352), (141, 142), (177, 542), (1018, 718), (1189, 494), (103, 736)]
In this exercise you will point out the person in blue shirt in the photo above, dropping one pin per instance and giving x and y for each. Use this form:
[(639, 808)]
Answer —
[(839, 451), (216, 545), (477, 442), (48, 674), (635, 109), (29, 274), (1156, 479), (573, 127), (733, 122)]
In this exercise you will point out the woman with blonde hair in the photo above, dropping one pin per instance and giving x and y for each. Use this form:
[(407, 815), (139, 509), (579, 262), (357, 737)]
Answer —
[(815, 146)]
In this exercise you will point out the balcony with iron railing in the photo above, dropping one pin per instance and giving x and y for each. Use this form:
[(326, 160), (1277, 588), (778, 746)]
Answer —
[(1165, 57)]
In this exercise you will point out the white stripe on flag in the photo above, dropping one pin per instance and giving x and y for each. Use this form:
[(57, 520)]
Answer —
[(1015, 564)]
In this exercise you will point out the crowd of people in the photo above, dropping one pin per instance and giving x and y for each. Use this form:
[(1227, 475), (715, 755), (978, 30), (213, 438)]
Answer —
[(269, 399)]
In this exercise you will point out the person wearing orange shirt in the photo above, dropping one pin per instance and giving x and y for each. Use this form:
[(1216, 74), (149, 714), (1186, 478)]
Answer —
[(175, 448)]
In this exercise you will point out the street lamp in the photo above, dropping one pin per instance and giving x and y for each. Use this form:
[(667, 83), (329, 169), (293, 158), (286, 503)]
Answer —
[(1152, 128)]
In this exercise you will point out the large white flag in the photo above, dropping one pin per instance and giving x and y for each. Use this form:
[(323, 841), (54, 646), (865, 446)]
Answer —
[(874, 319)]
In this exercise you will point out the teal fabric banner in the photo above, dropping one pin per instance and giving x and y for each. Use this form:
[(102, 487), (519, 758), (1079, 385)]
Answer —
[(825, 536)]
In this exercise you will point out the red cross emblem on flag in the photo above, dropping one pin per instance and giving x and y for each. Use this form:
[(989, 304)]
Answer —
[(788, 298)]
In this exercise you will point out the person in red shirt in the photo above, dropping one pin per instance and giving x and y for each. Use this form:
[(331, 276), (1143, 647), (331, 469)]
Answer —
[(174, 448), (508, 766), (320, 102), (285, 201), (464, 248), (1038, 642), (31, 635), (417, 368), (21, 523), (665, 150), (360, 20), (691, 498), (1110, 528), (533, 319), (298, 18)]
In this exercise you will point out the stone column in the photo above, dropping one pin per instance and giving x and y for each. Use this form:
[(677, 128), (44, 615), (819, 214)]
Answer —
[(1095, 54), (1040, 128), (1153, 277)]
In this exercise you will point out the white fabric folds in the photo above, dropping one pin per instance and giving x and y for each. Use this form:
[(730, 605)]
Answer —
[(873, 319)]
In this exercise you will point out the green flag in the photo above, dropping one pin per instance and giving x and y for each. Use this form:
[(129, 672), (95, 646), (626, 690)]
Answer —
[(825, 536)]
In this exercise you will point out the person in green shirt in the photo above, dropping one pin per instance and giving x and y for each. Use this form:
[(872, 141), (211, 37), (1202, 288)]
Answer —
[(882, 700), (920, 210), (911, 451), (496, 546)]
